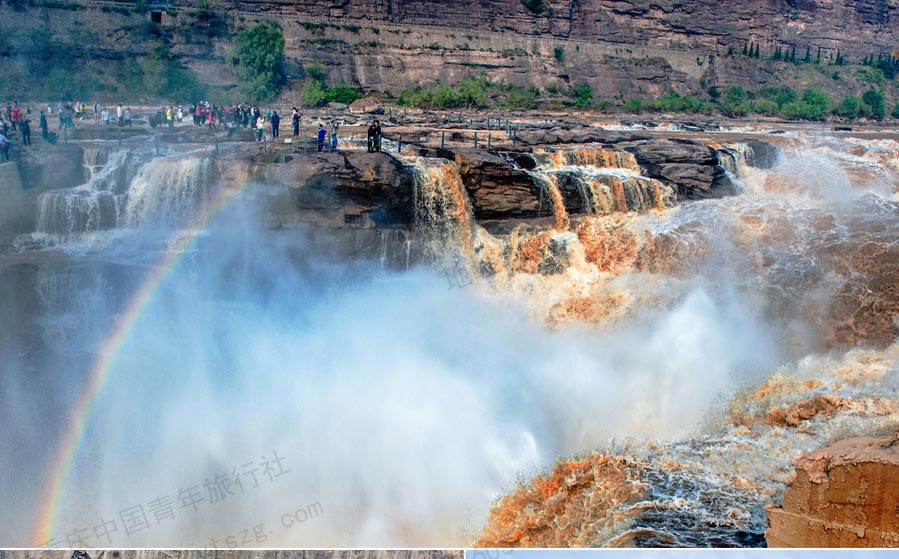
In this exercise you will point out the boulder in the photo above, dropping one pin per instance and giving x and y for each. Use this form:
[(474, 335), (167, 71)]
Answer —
[(327, 182), (761, 154), (46, 166), (845, 495), (497, 188), (689, 167), (650, 153)]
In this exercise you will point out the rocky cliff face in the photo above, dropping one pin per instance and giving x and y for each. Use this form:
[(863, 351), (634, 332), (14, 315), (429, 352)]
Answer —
[(845, 495), (621, 48)]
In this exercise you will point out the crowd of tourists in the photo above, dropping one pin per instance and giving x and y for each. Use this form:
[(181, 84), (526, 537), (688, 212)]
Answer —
[(266, 124)]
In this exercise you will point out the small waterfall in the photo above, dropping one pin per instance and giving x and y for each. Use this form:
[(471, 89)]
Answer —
[(606, 180), (443, 213), (727, 158), (600, 158), (167, 191), (94, 160), (441, 201), (550, 184), (92, 206)]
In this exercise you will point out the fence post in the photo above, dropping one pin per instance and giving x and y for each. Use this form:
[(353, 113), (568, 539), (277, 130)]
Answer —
[(265, 143), (475, 140), (399, 146), (489, 137)]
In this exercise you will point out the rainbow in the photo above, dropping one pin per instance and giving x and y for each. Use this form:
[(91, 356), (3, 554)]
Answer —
[(99, 373)]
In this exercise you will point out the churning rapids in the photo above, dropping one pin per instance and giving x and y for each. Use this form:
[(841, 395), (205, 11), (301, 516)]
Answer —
[(280, 387)]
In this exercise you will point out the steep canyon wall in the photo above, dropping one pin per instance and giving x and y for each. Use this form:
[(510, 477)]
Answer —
[(621, 48)]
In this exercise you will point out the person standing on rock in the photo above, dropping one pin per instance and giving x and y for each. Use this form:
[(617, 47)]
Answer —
[(4, 147), (333, 135), (372, 134), (321, 137), (119, 113), (170, 117), (276, 122), (377, 126), (295, 119), (25, 129), (127, 117), (43, 124), (260, 127)]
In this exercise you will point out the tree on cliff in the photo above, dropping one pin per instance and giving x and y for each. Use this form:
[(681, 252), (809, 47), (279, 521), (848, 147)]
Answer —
[(258, 61)]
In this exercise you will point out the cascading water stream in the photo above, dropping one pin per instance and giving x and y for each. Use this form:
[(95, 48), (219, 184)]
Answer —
[(606, 181), (127, 191), (167, 191), (92, 206)]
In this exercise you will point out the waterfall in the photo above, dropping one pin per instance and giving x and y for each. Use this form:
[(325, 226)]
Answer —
[(167, 191), (605, 180), (727, 158), (443, 214), (586, 157), (94, 160), (92, 206), (550, 184), (441, 201), (124, 190)]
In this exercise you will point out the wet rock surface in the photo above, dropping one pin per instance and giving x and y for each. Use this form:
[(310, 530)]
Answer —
[(845, 495)]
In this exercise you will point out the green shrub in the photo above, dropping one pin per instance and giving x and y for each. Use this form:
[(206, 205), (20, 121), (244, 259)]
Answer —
[(583, 96), (312, 94), (341, 94), (735, 102), (780, 95), (814, 106), (633, 105), (672, 102), (520, 97), (473, 92), (875, 107), (536, 7), (796, 110), (848, 107), (559, 53), (766, 107)]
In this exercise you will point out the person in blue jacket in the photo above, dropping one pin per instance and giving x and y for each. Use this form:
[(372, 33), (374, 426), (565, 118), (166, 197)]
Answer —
[(321, 137)]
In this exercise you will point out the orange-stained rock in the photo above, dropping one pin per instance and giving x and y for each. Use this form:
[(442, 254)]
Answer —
[(846, 495)]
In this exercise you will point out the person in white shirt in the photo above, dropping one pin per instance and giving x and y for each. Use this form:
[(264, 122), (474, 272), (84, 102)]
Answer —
[(4, 147)]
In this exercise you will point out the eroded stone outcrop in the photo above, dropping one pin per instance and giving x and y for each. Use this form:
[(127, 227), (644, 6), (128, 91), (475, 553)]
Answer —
[(352, 182), (497, 188), (845, 495)]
